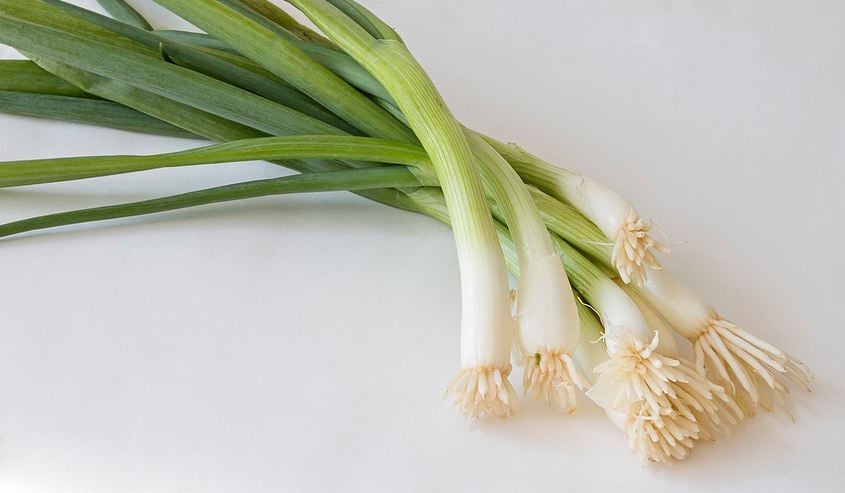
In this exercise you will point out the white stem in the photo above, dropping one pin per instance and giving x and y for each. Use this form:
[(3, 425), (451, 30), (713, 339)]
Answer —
[(546, 312), (678, 304), (485, 322), (546, 321), (622, 319), (668, 345)]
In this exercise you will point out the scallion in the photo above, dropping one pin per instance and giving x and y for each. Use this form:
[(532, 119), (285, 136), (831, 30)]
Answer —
[(350, 108)]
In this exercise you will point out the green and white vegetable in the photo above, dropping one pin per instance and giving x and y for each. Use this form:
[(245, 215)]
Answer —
[(663, 399), (350, 108), (481, 387), (546, 320)]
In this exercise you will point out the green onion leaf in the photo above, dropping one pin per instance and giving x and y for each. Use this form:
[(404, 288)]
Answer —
[(124, 12), (30, 172), (357, 179), (85, 110)]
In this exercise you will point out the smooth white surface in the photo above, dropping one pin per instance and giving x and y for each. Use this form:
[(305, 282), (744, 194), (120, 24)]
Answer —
[(301, 343)]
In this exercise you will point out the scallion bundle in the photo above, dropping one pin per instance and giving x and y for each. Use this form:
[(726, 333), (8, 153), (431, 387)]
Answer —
[(350, 108)]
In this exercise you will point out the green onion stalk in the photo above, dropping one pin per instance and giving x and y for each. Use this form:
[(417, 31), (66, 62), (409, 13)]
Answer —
[(546, 321), (212, 123), (274, 52), (611, 212), (276, 46), (325, 147), (325, 181), (482, 386), (757, 373), (100, 113)]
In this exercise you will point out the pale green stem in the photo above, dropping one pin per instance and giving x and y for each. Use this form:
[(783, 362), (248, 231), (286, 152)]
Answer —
[(515, 203), (587, 278), (486, 319), (591, 350)]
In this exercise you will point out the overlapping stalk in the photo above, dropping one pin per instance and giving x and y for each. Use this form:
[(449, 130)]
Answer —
[(262, 73), (546, 322), (481, 386)]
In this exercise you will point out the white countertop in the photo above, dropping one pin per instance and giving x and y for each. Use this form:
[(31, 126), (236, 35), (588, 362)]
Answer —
[(302, 343)]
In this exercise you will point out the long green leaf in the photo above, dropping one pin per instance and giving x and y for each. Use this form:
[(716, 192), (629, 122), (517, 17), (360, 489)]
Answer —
[(85, 110), (366, 19), (195, 121), (208, 62), (235, 70), (30, 172), (124, 12), (560, 218), (359, 179), (183, 116), (26, 76)]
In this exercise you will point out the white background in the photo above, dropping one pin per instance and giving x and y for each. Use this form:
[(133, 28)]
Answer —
[(302, 343)]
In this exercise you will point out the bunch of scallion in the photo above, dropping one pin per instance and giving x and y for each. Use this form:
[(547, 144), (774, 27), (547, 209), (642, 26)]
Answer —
[(349, 108)]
